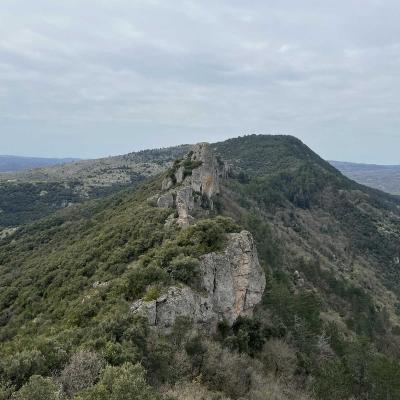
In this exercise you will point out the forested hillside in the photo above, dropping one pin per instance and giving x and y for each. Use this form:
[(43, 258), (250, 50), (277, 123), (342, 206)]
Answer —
[(327, 327)]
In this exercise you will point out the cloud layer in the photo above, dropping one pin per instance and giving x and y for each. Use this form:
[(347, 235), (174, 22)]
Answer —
[(95, 77)]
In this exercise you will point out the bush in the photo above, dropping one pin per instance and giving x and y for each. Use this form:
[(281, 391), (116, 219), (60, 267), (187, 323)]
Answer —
[(127, 382), (19, 367), (38, 388), (279, 358), (185, 269), (82, 371)]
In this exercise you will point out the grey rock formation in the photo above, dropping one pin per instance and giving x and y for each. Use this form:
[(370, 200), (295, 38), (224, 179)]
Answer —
[(177, 302), (202, 181), (166, 200), (184, 205), (232, 283), (167, 183), (205, 178)]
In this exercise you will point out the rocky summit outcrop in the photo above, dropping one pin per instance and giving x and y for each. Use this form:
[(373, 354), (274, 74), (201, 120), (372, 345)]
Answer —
[(193, 184), (232, 283)]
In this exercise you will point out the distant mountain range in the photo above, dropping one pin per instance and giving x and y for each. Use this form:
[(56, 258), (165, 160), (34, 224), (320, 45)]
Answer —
[(17, 163), (382, 177)]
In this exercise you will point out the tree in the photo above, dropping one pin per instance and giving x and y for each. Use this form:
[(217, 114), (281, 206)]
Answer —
[(38, 388), (127, 382), (82, 372)]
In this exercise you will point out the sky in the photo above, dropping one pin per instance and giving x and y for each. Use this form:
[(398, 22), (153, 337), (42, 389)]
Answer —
[(91, 78)]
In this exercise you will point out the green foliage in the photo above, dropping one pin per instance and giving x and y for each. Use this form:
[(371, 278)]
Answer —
[(26, 202), (38, 388), (294, 310), (127, 382), (18, 367), (363, 317), (361, 372), (178, 256), (152, 293), (68, 282), (268, 248), (189, 165), (185, 269), (247, 336)]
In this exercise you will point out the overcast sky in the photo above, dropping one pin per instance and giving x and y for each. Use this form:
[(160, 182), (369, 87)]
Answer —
[(90, 78)]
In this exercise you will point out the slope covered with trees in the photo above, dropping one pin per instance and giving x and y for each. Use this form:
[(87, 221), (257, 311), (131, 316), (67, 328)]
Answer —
[(327, 328)]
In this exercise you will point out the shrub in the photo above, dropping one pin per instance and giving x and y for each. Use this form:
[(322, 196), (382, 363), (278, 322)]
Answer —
[(82, 371), (185, 269), (38, 388), (127, 382), (279, 358), (19, 367)]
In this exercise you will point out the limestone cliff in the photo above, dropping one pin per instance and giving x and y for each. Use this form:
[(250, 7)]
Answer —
[(193, 184), (232, 283)]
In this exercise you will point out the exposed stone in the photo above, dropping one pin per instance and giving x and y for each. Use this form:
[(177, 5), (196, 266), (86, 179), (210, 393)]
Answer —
[(234, 278), (232, 284), (153, 200), (7, 232), (167, 183), (98, 284), (205, 178), (195, 192), (177, 302), (184, 205), (166, 200), (179, 175)]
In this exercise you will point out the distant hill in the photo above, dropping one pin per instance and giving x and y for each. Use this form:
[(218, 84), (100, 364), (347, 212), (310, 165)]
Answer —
[(382, 177), (17, 163), (31, 194)]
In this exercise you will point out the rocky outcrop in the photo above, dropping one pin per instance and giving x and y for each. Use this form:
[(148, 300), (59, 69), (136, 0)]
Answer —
[(166, 200), (232, 283), (195, 179), (205, 178)]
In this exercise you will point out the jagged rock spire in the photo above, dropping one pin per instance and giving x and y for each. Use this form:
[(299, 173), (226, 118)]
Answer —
[(195, 178)]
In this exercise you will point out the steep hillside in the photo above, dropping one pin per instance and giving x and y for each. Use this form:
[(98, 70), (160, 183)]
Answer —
[(340, 221), (16, 163), (30, 195), (382, 177), (100, 299)]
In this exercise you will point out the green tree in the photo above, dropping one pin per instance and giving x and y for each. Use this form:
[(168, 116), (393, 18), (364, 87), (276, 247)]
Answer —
[(127, 382), (38, 388)]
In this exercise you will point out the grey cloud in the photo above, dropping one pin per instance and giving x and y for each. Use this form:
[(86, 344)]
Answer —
[(122, 75)]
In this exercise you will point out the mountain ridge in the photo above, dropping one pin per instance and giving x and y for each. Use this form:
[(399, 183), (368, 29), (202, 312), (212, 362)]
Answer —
[(328, 246)]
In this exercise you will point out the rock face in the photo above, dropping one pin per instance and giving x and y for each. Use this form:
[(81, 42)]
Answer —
[(194, 183), (232, 283), (166, 201)]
